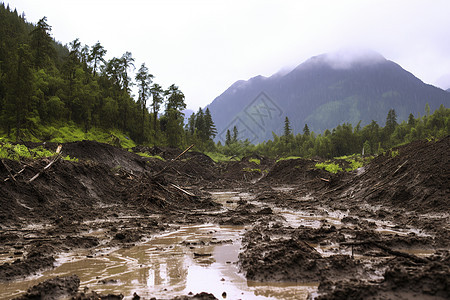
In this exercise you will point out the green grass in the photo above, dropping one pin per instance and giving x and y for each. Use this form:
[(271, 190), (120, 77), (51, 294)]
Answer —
[(70, 132), (150, 156), (255, 160), (394, 153), (329, 167), (289, 157)]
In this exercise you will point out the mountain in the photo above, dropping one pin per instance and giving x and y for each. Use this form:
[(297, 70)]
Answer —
[(323, 92)]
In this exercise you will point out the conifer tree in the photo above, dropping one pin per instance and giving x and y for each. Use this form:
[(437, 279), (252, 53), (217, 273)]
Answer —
[(41, 43), (287, 127), (306, 131), (228, 138), (209, 125), (235, 134)]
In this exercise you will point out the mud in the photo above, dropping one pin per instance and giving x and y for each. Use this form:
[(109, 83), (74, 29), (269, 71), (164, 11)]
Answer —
[(380, 232)]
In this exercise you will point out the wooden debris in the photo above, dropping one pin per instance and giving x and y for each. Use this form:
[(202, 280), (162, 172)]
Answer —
[(170, 162), (183, 191), (56, 158), (9, 171)]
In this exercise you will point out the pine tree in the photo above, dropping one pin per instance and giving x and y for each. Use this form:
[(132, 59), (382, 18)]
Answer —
[(200, 125), (96, 55), (391, 122), (287, 127), (209, 125), (19, 96), (411, 120), (306, 131), (143, 79), (174, 105), (235, 134), (42, 44), (157, 99), (228, 138)]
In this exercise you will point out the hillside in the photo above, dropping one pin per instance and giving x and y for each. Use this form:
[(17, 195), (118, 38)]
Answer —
[(323, 92)]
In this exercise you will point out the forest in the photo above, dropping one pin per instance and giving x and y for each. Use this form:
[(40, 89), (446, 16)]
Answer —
[(48, 91)]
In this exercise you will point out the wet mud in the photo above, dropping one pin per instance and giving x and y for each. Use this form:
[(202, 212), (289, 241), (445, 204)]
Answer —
[(118, 225)]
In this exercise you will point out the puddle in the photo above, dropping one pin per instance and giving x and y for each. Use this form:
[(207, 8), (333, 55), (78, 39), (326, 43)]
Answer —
[(297, 218), (229, 199), (193, 259)]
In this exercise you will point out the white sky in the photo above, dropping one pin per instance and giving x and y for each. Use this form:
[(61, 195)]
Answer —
[(205, 46)]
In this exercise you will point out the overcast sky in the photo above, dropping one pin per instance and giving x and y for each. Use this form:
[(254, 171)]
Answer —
[(205, 46)]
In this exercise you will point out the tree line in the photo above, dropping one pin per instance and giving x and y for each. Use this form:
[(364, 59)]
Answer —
[(346, 139), (45, 83)]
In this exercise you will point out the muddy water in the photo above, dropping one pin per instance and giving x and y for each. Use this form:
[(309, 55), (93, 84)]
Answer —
[(193, 259)]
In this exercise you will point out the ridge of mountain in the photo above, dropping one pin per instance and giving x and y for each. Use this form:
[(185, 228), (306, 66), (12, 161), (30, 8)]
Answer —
[(323, 92)]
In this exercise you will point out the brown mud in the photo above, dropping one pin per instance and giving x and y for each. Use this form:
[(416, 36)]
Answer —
[(380, 232)]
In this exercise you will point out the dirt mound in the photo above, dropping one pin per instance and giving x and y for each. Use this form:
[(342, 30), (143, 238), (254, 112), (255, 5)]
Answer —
[(401, 281), (414, 176), (288, 258), (248, 169), (291, 171), (108, 155)]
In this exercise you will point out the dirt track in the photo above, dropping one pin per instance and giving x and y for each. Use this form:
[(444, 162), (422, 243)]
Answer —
[(379, 232)]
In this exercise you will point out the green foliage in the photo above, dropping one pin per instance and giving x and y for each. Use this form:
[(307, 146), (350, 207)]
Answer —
[(219, 157), (150, 156), (329, 167), (255, 160), (68, 158), (394, 153), (20, 151)]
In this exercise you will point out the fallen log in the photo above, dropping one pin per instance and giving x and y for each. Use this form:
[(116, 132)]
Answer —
[(388, 250), (170, 162), (58, 156), (9, 171)]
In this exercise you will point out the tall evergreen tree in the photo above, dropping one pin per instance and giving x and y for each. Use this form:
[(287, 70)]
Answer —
[(306, 131), (42, 44), (200, 127), (174, 106), (234, 139), (228, 138), (96, 56), (21, 89), (157, 99), (209, 125), (287, 127), (143, 79)]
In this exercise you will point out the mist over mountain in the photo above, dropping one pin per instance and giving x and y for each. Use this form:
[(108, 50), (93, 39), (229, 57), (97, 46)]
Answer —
[(323, 92)]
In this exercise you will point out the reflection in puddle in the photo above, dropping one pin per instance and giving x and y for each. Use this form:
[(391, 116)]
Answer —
[(200, 258)]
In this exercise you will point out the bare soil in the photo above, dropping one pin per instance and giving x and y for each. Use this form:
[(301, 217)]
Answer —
[(389, 212)]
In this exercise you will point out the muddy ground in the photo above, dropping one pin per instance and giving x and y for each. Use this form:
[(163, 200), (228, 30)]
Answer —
[(353, 256)]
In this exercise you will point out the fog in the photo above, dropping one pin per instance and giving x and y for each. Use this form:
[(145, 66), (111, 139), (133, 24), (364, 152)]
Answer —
[(205, 46)]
